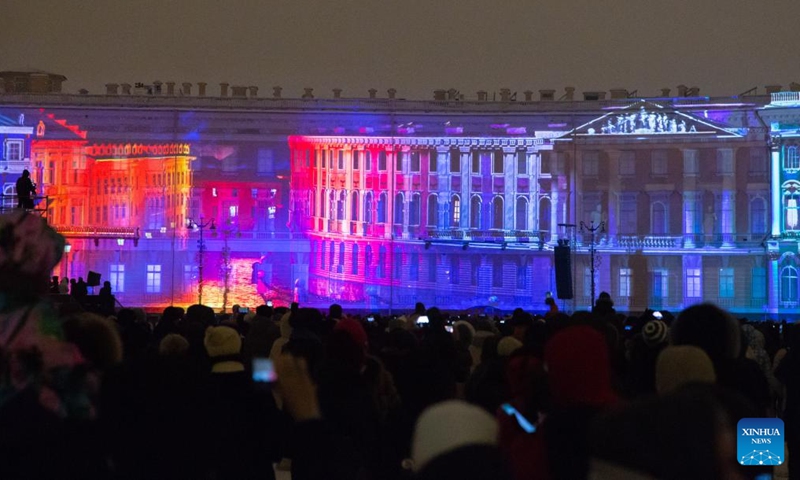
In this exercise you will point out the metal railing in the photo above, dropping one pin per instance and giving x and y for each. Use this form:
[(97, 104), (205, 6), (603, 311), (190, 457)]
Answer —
[(785, 98), (9, 203)]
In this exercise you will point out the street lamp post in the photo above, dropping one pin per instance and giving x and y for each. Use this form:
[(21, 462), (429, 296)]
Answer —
[(593, 229), (201, 248), (67, 249)]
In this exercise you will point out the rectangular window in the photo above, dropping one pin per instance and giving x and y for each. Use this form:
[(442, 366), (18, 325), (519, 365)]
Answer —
[(341, 160), (476, 162), (624, 282), (455, 161), (381, 268), (432, 268), (658, 162), (398, 264), (660, 287), (189, 278), (627, 163), (356, 154), (415, 161), (497, 273), (694, 287), (497, 163), (724, 162), (14, 150), (254, 192), (590, 164), (154, 279), (522, 162), (627, 215), (323, 154), (382, 161), (758, 161), (454, 266), (759, 285), (726, 282), (432, 161), (522, 276), (398, 161), (475, 271), (116, 275), (368, 160), (413, 267)]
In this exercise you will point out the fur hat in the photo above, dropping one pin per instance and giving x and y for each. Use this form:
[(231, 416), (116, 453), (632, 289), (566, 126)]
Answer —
[(448, 426), (680, 365), (222, 341), (173, 344), (654, 333), (507, 346)]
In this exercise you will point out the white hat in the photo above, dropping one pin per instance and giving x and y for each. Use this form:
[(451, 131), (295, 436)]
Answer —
[(448, 426), (507, 346)]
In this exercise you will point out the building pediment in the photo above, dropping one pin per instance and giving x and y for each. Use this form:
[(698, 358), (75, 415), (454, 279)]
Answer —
[(646, 119)]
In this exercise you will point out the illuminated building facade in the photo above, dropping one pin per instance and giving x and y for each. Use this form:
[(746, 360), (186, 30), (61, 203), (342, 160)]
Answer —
[(379, 203)]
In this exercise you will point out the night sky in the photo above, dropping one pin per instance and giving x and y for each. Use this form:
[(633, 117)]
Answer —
[(723, 47)]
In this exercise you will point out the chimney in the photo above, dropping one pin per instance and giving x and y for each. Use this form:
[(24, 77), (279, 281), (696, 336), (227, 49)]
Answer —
[(682, 89), (569, 93), (452, 94), (693, 92), (440, 95), (372, 92), (619, 93), (170, 88), (392, 92), (126, 88), (773, 89), (665, 92), (483, 95), (83, 91), (337, 93), (505, 94), (157, 87), (276, 92), (308, 93), (238, 91), (547, 95), (223, 89), (201, 89), (528, 95), (111, 88), (253, 91), (594, 96), (186, 88)]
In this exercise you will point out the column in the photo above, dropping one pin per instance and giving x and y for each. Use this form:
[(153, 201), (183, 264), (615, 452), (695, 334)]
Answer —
[(406, 154), (690, 197), (534, 160), (554, 205), (443, 172), (773, 281), (509, 187), (726, 162), (613, 195), (466, 186), (689, 218), (775, 188)]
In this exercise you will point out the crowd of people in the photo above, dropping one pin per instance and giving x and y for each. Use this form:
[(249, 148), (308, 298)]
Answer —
[(424, 395)]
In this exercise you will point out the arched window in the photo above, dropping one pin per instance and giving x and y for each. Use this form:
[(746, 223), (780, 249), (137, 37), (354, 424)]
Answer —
[(354, 260), (340, 205), (789, 285), (322, 255), (382, 206), (381, 273), (331, 256), (475, 212), (658, 217), (521, 213), (414, 210), (354, 207), (455, 205), (544, 217), (498, 219), (758, 216), (433, 210), (399, 206), (331, 205), (368, 207), (367, 258), (340, 267), (791, 159), (321, 206)]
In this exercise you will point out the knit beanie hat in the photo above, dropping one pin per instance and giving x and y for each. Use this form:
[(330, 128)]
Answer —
[(507, 346), (354, 329), (222, 341), (654, 333), (448, 426), (173, 344), (679, 365)]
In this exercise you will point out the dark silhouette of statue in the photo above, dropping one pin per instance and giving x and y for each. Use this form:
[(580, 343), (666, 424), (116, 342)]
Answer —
[(26, 190)]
